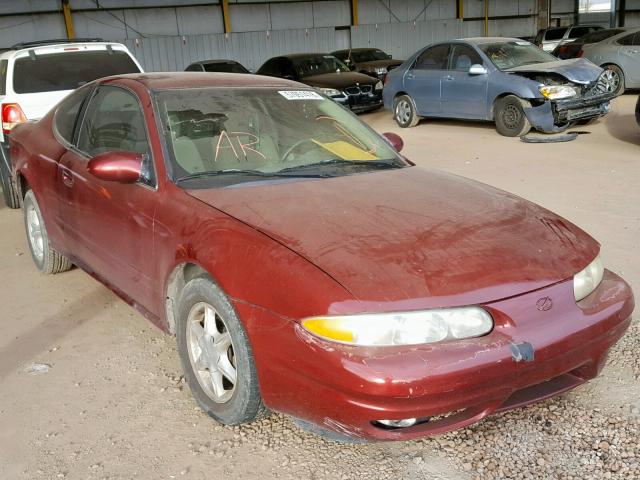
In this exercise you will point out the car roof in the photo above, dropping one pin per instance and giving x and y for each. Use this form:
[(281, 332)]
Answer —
[(303, 55), (361, 49), (178, 80), (10, 52), (481, 40), (215, 60)]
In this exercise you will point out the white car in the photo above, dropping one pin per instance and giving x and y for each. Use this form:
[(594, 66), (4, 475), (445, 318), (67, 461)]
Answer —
[(549, 38), (36, 76)]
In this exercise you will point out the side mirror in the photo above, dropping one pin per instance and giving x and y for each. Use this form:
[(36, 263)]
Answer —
[(122, 167), (477, 69), (394, 140)]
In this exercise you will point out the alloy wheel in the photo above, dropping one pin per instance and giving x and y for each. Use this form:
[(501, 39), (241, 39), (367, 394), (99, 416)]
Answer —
[(211, 352), (403, 111), (34, 232), (611, 80)]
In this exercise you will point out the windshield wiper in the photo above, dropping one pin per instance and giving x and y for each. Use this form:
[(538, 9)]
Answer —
[(340, 161), (237, 171)]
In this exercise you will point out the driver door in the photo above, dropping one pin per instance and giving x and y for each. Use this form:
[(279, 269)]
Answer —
[(109, 225), (464, 95)]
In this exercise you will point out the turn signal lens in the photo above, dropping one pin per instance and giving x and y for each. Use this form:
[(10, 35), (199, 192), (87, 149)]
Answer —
[(12, 115)]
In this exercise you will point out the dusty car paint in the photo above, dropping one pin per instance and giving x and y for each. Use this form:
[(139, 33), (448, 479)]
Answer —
[(383, 241)]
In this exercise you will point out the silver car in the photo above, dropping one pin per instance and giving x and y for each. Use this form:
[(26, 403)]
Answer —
[(620, 57)]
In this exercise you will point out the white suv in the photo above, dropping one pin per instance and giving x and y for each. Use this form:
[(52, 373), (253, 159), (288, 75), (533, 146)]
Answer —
[(36, 76)]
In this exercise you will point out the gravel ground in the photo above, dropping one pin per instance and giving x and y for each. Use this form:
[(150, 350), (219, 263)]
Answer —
[(108, 400)]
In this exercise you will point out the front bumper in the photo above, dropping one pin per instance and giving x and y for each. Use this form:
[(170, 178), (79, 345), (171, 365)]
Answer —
[(360, 102), (553, 116), (344, 389)]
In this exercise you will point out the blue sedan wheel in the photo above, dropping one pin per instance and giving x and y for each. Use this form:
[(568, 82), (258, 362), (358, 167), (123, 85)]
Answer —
[(404, 111), (510, 118)]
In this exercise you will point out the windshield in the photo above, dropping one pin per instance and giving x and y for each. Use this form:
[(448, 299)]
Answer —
[(595, 37), (218, 137), (506, 55), (317, 65), (362, 56), (68, 70)]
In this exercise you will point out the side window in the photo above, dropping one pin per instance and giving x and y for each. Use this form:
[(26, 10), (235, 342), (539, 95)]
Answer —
[(270, 68), (578, 32), (627, 39), (66, 116), (113, 122), (463, 56), (3, 76), (434, 58), (555, 33), (196, 67)]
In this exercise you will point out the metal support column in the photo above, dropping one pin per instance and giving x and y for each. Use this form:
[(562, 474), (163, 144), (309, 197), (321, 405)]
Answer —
[(68, 19), (354, 12), (226, 19)]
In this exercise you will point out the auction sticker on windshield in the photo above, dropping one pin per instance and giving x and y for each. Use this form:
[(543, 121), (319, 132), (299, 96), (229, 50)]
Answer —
[(300, 95)]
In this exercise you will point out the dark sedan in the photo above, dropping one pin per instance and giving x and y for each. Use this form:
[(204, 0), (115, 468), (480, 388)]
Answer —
[(370, 61), (331, 76), (217, 66)]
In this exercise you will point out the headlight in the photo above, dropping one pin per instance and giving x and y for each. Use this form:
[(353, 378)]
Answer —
[(379, 86), (557, 92), (409, 328), (330, 92), (587, 280), (381, 70)]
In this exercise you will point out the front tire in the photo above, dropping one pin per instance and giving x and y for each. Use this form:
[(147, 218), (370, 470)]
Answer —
[(615, 78), (510, 118), (216, 356), (46, 259), (10, 194), (404, 112)]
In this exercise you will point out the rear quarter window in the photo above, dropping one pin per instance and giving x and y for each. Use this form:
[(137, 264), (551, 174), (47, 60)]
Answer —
[(66, 116), (68, 70)]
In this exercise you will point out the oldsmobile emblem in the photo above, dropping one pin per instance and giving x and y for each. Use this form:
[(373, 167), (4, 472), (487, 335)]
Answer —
[(543, 304)]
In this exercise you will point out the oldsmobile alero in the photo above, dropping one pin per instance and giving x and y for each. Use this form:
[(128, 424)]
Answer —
[(304, 265)]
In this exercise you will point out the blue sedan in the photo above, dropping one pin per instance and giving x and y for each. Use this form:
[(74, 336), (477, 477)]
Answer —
[(505, 80)]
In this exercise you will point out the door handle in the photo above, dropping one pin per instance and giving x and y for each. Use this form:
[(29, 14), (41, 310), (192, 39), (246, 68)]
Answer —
[(409, 76), (67, 177), (448, 78)]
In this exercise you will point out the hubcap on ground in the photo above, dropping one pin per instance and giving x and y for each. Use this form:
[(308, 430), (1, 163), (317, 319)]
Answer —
[(511, 117), (403, 111), (34, 231), (211, 352)]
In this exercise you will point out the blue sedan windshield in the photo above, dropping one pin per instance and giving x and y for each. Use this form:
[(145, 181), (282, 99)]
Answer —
[(506, 55)]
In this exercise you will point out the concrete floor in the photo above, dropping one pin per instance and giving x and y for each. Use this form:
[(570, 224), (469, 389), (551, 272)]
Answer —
[(112, 405)]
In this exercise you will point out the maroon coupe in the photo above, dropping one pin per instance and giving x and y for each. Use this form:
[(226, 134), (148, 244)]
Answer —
[(304, 265)]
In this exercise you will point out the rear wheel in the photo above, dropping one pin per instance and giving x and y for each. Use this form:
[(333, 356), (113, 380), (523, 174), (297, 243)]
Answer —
[(614, 79), (510, 118), (47, 260), (404, 111), (11, 198)]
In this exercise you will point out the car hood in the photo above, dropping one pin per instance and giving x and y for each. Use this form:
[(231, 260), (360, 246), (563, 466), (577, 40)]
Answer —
[(413, 238), (578, 70), (339, 80), (379, 63)]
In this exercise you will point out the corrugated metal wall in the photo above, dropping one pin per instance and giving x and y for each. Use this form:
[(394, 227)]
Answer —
[(249, 48)]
